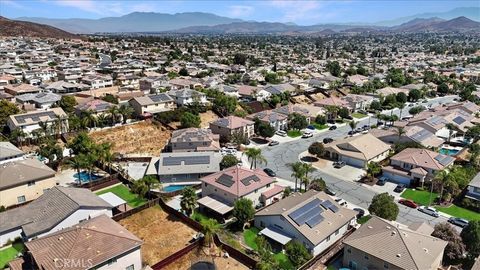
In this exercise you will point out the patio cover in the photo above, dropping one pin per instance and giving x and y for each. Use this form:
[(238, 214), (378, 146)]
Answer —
[(275, 235), (215, 204), (112, 199)]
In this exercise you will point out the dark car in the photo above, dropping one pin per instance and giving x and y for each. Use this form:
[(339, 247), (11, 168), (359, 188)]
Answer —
[(408, 203), (269, 172), (331, 121), (366, 127), (330, 192), (311, 127), (327, 140), (458, 221), (351, 132), (381, 181), (339, 164), (399, 188), (349, 117), (273, 143), (379, 123), (332, 127), (360, 212)]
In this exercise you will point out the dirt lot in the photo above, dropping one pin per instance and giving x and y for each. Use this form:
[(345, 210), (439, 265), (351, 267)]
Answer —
[(318, 96), (141, 138), (202, 254), (206, 118), (162, 234), (302, 99)]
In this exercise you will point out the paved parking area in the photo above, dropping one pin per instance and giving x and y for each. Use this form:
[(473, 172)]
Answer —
[(347, 173), (388, 187)]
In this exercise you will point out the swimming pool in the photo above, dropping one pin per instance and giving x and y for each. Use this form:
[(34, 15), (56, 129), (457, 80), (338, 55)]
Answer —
[(172, 188), (448, 151), (84, 176)]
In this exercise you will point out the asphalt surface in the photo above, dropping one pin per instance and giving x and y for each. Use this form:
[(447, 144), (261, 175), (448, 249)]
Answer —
[(279, 157)]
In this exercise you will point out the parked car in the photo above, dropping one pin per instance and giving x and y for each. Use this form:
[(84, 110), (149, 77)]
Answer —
[(349, 117), (330, 192), (399, 188), (379, 123), (269, 172), (339, 164), (429, 211), (307, 134), (311, 127), (327, 140), (458, 221), (273, 143), (332, 127), (360, 212), (366, 127), (281, 133), (351, 132), (408, 203), (331, 121), (382, 180), (341, 201)]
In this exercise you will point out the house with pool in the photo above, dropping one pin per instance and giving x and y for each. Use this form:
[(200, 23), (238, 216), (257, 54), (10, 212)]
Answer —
[(220, 190), (413, 166)]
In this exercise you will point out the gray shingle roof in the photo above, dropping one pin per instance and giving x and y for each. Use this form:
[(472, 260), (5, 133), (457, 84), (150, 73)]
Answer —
[(54, 206), (8, 150), (18, 172)]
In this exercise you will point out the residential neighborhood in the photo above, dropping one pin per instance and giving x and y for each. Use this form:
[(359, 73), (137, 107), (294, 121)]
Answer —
[(239, 144)]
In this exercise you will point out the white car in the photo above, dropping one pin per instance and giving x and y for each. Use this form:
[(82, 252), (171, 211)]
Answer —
[(281, 133), (429, 211), (307, 134)]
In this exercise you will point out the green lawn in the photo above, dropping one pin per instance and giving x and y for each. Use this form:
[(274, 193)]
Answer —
[(197, 216), (319, 127), (363, 219), (283, 261), (123, 192), (419, 196), (294, 133), (9, 254), (358, 115), (249, 236), (460, 212)]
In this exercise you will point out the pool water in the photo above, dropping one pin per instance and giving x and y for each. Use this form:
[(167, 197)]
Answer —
[(172, 188), (84, 177), (450, 152)]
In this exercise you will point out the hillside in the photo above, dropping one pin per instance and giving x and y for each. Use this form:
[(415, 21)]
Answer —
[(29, 29), (460, 24)]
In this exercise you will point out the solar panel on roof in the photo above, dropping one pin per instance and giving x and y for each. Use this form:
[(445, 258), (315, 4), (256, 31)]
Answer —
[(300, 215), (444, 159), (334, 208), (171, 161), (459, 120), (35, 116), (197, 160), (326, 204), (226, 180), (315, 220), (246, 181)]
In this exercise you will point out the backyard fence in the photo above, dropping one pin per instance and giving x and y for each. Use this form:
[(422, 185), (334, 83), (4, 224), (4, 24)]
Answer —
[(101, 183), (235, 253), (177, 255), (130, 212), (177, 192)]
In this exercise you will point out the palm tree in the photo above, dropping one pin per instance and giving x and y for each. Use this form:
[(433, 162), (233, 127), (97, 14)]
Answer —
[(255, 156), (400, 107), (89, 119), (373, 168), (17, 135), (332, 111), (393, 118), (189, 200), (400, 132), (451, 129), (74, 123), (352, 125), (125, 111), (113, 112), (209, 227), (298, 171), (151, 182), (77, 163), (307, 168), (102, 120)]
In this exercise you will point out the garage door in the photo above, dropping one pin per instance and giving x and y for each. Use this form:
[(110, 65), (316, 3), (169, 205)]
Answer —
[(353, 162), (397, 178)]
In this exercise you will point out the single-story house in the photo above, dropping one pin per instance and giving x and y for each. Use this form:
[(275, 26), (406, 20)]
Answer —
[(312, 218), (58, 208), (99, 243), (358, 151), (96, 106), (473, 188)]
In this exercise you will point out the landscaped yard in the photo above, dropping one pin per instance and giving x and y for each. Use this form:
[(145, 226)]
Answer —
[(419, 196), (319, 127), (123, 192), (358, 115), (294, 133), (363, 219), (9, 254), (197, 216), (283, 261), (460, 212)]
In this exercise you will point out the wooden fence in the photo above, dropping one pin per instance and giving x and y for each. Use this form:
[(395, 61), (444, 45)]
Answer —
[(100, 183), (136, 210), (177, 255), (235, 253)]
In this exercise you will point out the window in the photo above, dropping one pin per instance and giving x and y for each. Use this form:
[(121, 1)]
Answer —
[(31, 183), (112, 261), (130, 267), (262, 224), (385, 265), (21, 199), (366, 257), (349, 251), (268, 185), (256, 190), (278, 226)]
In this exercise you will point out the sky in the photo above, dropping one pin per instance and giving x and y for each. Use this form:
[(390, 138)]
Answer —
[(300, 12)]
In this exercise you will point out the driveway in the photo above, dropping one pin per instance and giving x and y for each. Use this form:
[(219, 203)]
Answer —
[(347, 173)]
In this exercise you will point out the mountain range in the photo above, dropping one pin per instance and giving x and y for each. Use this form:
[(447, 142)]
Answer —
[(28, 29)]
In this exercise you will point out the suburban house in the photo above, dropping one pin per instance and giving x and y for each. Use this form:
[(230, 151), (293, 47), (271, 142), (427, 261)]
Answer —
[(152, 104), (187, 96), (358, 102), (40, 100), (473, 188), (95, 106), (9, 152), (194, 140), (22, 88), (411, 134), (30, 121), (220, 190), (229, 125), (253, 92), (184, 166), (309, 111), (152, 84), (24, 180), (415, 165), (98, 81), (228, 90), (276, 89), (179, 83), (277, 120), (380, 244), (58, 208), (390, 91), (64, 87), (357, 79), (357, 151), (312, 218), (99, 243)]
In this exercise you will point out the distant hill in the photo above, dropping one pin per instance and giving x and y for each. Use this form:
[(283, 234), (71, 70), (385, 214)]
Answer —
[(29, 29), (460, 24), (135, 22), (473, 13)]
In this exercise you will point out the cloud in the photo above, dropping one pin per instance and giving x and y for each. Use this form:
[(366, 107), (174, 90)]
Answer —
[(12, 4), (240, 11), (85, 5), (302, 11)]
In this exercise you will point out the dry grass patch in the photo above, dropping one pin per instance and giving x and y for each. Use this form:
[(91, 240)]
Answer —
[(140, 138), (206, 118), (163, 234)]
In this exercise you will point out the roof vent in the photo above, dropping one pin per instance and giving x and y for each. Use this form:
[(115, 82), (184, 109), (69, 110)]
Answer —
[(317, 231), (399, 255), (425, 249), (388, 227), (284, 209), (60, 238), (394, 233), (55, 259), (98, 251), (370, 227)]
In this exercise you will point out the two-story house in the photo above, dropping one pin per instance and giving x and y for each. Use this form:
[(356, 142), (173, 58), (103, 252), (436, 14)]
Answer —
[(230, 125), (152, 104), (473, 188), (98, 81), (415, 165), (188, 96), (275, 119), (194, 140), (30, 121)]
